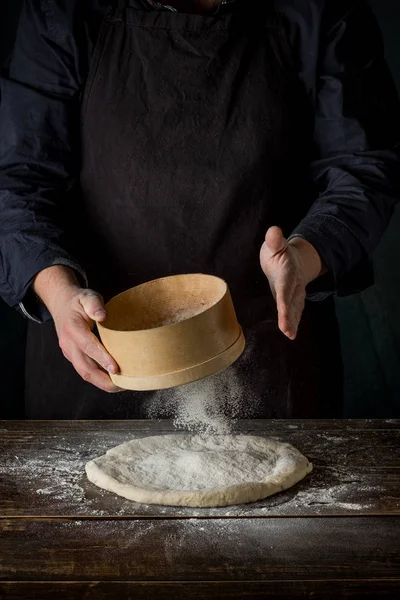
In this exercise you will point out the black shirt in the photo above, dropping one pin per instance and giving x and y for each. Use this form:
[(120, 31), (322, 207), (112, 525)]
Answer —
[(340, 62)]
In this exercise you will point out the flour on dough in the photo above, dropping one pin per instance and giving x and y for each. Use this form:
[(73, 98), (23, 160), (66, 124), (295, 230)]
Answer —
[(190, 470)]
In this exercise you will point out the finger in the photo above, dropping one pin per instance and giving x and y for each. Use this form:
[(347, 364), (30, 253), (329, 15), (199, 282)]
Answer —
[(274, 245), (272, 287), (285, 324), (88, 343), (274, 240), (77, 332), (287, 309), (281, 284), (69, 350), (284, 303), (93, 305), (299, 303), (284, 319), (285, 286), (290, 315), (90, 371)]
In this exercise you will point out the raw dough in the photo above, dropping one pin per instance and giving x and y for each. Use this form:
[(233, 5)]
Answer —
[(190, 470)]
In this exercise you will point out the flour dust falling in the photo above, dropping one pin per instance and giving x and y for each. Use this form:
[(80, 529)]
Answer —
[(209, 406)]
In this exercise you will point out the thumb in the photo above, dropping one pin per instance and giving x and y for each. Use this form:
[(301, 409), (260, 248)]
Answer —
[(93, 305), (274, 240)]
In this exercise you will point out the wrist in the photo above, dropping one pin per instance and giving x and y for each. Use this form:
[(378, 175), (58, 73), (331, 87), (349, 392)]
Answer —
[(54, 285), (313, 266)]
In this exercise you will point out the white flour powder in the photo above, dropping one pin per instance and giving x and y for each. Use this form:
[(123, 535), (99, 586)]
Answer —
[(189, 470), (186, 470), (50, 476), (208, 406)]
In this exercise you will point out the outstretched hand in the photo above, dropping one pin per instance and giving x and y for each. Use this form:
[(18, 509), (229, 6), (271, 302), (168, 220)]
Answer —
[(289, 267)]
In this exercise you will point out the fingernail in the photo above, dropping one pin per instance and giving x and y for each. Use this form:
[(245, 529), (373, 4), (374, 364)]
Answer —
[(111, 369), (100, 314)]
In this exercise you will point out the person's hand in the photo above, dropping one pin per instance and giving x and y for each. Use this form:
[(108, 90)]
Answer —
[(289, 267), (74, 317), (75, 311)]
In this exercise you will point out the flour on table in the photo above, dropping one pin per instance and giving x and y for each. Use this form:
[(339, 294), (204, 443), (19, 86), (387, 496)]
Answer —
[(198, 471)]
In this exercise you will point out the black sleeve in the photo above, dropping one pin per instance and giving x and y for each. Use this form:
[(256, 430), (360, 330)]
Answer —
[(39, 148), (356, 163)]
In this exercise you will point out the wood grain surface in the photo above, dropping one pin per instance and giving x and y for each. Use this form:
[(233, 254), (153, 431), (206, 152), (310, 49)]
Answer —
[(202, 549), (356, 469), (336, 534), (165, 590)]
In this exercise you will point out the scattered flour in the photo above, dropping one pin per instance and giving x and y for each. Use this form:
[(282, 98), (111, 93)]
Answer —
[(209, 406), (49, 475), (190, 462)]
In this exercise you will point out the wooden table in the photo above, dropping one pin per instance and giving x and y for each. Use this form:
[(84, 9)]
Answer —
[(334, 535)]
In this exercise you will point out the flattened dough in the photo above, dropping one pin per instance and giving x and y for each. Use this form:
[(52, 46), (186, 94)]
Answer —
[(190, 470)]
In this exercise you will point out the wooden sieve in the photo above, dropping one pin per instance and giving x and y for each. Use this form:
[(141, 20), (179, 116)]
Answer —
[(171, 331)]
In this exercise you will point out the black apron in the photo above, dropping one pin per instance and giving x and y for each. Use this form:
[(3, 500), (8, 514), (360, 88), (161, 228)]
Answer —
[(196, 138)]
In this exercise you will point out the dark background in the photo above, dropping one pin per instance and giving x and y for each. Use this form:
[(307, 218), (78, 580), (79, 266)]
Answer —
[(369, 322)]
